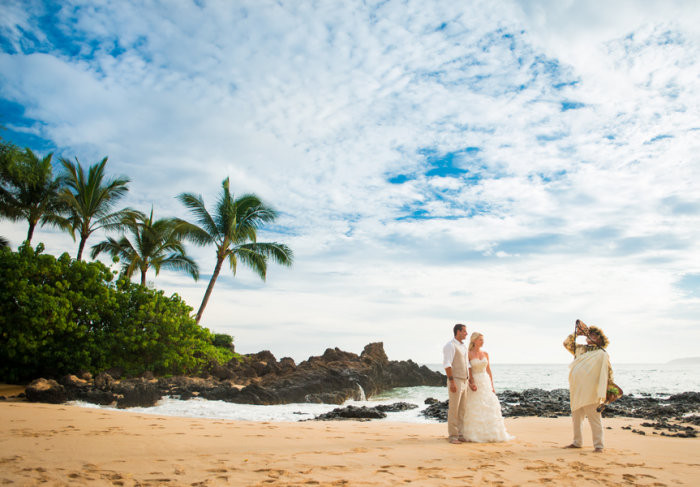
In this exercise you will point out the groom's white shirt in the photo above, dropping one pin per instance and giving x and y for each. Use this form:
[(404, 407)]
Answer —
[(448, 352)]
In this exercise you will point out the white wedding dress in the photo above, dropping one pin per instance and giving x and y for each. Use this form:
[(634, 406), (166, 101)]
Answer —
[(483, 422)]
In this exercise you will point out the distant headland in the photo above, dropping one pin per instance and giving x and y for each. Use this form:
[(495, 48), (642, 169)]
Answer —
[(685, 361)]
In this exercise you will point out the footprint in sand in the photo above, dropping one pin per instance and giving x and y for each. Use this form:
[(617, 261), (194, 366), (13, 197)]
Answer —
[(10, 459)]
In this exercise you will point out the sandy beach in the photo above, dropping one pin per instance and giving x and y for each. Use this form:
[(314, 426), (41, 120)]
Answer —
[(68, 445)]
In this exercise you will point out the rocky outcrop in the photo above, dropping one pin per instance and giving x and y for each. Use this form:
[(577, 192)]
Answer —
[(337, 376), (351, 412), (364, 413), (142, 393), (259, 378), (682, 408), (46, 390)]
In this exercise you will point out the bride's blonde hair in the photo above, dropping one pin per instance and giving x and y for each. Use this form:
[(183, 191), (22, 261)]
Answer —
[(475, 336)]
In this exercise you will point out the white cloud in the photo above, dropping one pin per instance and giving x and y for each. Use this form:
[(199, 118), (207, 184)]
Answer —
[(572, 213)]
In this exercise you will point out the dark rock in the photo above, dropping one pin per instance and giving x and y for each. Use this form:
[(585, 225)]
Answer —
[(686, 398), (287, 365), (676, 430), (221, 372), (431, 400), (115, 372), (104, 381), (78, 389), (538, 402), (396, 407), (254, 394), (326, 398), (46, 390), (73, 381), (137, 394), (96, 396), (337, 376), (332, 378), (352, 412), (437, 410), (374, 353)]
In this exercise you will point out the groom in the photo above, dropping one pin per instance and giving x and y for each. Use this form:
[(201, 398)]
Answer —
[(457, 366)]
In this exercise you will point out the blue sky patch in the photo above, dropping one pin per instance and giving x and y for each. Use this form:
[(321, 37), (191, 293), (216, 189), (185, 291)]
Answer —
[(552, 176), (450, 163), (550, 137), (571, 105), (399, 179), (12, 114), (658, 138), (690, 284)]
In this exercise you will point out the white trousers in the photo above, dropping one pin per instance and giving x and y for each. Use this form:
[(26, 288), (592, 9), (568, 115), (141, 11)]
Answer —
[(457, 408), (594, 419)]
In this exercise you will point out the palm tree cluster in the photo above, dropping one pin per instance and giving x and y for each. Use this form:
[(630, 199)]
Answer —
[(81, 203)]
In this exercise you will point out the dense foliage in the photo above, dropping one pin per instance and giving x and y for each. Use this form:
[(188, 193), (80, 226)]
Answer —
[(63, 315)]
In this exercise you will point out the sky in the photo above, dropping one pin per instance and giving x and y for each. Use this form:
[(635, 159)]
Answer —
[(510, 165)]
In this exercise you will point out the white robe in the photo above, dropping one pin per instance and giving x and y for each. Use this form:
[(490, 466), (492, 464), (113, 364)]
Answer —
[(588, 379)]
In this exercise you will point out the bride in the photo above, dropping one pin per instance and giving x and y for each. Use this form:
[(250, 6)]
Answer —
[(483, 422)]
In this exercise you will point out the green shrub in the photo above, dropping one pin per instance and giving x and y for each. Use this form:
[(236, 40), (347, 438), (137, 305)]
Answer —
[(222, 340), (61, 315)]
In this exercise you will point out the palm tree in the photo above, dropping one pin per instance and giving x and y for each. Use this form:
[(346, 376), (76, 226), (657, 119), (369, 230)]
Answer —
[(233, 230), (90, 199), (28, 190), (156, 244)]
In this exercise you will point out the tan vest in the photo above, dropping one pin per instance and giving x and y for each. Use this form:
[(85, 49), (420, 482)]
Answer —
[(459, 364)]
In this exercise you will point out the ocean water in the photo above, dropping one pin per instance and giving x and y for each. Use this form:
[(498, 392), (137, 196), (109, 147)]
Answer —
[(659, 380)]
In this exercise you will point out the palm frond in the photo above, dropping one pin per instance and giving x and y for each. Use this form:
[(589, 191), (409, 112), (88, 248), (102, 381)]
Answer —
[(192, 233), (279, 253), (179, 262), (253, 259), (195, 204)]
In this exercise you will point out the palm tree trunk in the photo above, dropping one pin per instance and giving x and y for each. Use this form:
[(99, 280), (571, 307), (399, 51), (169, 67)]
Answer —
[(80, 248), (210, 288), (143, 278), (30, 232)]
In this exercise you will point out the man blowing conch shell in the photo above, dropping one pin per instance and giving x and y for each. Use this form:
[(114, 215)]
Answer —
[(589, 375)]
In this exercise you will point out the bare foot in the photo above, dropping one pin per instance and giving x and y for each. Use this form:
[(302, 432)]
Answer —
[(598, 450), (572, 446)]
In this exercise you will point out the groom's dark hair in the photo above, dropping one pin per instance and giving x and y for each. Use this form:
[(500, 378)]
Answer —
[(457, 327)]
